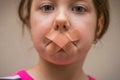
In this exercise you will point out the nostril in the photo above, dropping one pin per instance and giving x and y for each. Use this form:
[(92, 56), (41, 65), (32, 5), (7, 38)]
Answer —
[(65, 28), (56, 27), (61, 27)]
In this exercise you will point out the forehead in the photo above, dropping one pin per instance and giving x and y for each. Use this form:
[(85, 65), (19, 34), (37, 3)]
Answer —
[(68, 1)]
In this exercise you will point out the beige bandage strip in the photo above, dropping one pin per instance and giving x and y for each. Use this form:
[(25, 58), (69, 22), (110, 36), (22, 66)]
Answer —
[(64, 40), (74, 35), (70, 48), (52, 48)]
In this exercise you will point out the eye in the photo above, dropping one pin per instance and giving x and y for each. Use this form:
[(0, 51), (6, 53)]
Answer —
[(47, 8), (79, 9)]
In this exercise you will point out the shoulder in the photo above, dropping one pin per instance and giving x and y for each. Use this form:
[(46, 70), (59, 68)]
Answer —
[(24, 75), (15, 77), (20, 75), (91, 78)]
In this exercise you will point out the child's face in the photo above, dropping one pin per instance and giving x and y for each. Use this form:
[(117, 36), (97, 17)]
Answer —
[(57, 20)]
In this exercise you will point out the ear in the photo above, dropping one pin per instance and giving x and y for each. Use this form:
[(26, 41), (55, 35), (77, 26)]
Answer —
[(100, 26)]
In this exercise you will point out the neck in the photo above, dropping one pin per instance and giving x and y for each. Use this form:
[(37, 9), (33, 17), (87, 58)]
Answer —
[(48, 71)]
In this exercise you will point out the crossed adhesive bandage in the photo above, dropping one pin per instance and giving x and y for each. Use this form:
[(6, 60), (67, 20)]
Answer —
[(66, 41)]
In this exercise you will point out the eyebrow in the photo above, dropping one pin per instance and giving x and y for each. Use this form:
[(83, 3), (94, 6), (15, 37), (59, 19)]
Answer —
[(72, 1), (44, 0), (68, 0)]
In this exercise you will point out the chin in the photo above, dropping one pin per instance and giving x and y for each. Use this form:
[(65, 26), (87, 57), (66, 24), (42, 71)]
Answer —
[(58, 60)]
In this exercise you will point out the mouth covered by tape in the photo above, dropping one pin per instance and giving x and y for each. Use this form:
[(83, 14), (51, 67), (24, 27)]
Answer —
[(67, 41)]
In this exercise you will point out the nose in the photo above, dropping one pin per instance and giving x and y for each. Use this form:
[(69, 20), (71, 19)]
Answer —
[(61, 22)]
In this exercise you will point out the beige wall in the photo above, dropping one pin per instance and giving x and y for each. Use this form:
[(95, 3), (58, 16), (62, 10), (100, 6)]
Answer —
[(17, 52)]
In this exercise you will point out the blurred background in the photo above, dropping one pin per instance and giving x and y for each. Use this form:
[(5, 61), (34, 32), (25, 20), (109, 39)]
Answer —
[(17, 51)]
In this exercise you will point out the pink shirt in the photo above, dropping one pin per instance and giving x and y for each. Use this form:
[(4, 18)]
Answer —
[(25, 76)]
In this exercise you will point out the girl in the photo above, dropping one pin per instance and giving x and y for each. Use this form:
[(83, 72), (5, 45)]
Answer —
[(62, 31)]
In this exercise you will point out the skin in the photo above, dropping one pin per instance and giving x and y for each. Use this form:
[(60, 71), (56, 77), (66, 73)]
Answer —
[(62, 14)]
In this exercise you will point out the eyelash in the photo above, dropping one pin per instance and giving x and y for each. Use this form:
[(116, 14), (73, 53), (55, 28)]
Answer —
[(79, 9), (46, 8)]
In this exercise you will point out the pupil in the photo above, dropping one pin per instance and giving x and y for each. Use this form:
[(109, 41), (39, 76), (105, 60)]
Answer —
[(79, 9), (47, 7)]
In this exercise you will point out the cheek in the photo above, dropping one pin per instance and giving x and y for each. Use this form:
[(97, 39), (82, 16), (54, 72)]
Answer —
[(88, 34), (38, 25), (87, 28), (39, 29)]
